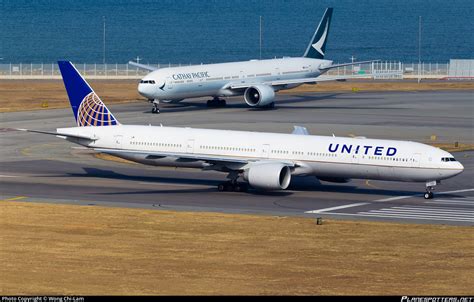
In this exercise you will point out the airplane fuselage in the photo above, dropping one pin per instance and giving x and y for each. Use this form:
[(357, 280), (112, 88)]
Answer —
[(217, 80), (320, 156)]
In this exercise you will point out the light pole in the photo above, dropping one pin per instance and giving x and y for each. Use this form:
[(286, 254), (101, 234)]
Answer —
[(419, 50), (260, 37), (103, 42)]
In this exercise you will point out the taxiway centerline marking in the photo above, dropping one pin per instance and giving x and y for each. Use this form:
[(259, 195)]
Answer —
[(338, 208)]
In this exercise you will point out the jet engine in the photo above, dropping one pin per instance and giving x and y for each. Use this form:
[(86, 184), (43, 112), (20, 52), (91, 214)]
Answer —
[(268, 176), (259, 95)]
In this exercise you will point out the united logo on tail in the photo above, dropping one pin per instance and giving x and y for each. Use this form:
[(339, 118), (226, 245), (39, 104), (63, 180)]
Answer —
[(92, 112), (88, 108)]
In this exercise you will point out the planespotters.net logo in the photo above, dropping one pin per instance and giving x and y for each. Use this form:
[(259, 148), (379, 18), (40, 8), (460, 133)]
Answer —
[(437, 299)]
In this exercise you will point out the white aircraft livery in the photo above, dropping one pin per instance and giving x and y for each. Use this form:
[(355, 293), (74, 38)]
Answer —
[(256, 80), (265, 161)]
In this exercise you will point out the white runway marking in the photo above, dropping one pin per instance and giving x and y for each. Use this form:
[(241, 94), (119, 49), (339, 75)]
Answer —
[(338, 208), (451, 201), (409, 196), (7, 176), (394, 216), (426, 213)]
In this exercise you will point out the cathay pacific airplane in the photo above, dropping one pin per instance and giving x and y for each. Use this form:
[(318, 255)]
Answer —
[(256, 80), (265, 161)]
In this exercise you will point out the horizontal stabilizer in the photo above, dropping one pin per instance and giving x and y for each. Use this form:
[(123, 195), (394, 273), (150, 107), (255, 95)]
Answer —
[(65, 135), (345, 64)]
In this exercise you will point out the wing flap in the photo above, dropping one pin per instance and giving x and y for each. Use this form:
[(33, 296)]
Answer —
[(234, 163)]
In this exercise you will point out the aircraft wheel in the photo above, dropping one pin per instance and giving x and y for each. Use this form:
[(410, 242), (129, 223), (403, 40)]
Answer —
[(221, 187), (242, 187), (222, 103), (428, 195)]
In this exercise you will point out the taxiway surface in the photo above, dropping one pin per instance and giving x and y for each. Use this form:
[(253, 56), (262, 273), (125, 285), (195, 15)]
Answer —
[(42, 168)]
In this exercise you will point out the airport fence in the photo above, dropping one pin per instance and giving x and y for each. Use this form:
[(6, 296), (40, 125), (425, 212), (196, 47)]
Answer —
[(375, 70)]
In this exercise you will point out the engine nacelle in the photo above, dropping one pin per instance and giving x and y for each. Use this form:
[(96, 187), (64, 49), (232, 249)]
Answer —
[(259, 95), (268, 176)]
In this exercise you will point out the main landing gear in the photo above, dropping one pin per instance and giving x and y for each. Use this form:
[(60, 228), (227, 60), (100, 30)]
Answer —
[(156, 106), (216, 102), (269, 106), (429, 189), (233, 185)]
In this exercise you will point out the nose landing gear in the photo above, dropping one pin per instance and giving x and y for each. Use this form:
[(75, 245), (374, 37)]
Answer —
[(156, 106), (429, 189)]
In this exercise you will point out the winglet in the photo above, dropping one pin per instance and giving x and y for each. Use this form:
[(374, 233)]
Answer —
[(143, 66), (317, 47), (300, 130)]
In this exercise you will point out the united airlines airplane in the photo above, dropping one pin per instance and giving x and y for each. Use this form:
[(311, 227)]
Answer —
[(256, 80), (265, 161)]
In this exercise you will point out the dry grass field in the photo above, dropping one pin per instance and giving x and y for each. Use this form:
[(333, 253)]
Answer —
[(19, 95), (88, 250)]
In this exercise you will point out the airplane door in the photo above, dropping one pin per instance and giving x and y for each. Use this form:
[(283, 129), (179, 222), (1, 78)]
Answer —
[(265, 152), (190, 146), (118, 141), (416, 159), (169, 83), (355, 158)]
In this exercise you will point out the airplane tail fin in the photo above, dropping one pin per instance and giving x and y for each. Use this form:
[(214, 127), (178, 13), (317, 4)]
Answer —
[(88, 108), (317, 46)]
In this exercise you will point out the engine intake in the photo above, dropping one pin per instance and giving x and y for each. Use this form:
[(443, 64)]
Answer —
[(268, 176), (259, 95)]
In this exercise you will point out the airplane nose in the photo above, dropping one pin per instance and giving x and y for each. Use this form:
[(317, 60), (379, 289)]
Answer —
[(459, 168), (142, 89)]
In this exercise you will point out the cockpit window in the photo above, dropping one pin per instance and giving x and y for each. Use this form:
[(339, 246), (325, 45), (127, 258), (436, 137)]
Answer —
[(446, 159), (147, 82)]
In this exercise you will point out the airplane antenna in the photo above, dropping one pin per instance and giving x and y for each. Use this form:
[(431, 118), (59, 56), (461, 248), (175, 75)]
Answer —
[(138, 60)]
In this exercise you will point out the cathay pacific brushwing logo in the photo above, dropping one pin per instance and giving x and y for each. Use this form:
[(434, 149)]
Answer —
[(319, 45)]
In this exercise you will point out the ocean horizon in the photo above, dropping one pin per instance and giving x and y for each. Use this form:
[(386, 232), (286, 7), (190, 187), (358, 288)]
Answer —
[(221, 31)]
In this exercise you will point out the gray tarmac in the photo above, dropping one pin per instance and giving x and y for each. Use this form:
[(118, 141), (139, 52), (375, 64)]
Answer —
[(41, 168)]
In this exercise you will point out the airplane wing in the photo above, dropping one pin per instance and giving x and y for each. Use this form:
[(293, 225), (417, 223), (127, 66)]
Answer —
[(296, 81), (322, 78), (143, 66), (230, 162)]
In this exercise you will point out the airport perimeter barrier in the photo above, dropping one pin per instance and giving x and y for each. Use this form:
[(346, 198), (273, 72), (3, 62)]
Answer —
[(455, 69)]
